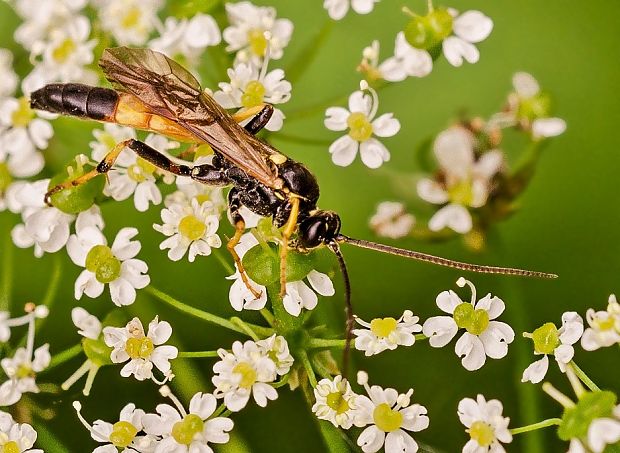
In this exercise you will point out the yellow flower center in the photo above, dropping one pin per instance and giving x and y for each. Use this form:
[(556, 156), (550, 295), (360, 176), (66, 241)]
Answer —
[(24, 371), (23, 115), (474, 321), (64, 50), (185, 430), (102, 262), (360, 128), (139, 348), (482, 433), (461, 193), (386, 419), (336, 401), (123, 433), (546, 338), (192, 228), (248, 374), (140, 170), (10, 447), (258, 42), (253, 94), (132, 18), (601, 324), (5, 177), (382, 328)]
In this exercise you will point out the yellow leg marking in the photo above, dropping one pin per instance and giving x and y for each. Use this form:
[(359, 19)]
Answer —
[(244, 114), (289, 229), (239, 229), (108, 160)]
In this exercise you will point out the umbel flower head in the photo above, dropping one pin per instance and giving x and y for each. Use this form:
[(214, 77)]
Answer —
[(16, 437), (483, 336), (486, 426), (382, 334), (603, 326), (337, 403)]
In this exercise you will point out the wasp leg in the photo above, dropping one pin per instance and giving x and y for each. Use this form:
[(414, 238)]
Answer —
[(103, 167), (287, 232), (260, 114), (234, 204)]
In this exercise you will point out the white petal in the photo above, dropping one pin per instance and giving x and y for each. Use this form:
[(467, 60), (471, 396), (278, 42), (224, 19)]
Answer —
[(602, 432), (385, 125), (454, 150), (336, 118), (536, 371), (343, 151), (548, 127), (456, 49), (373, 153), (471, 350), (525, 85), (321, 283), (432, 191), (473, 26), (496, 339), (440, 330), (360, 102), (453, 216)]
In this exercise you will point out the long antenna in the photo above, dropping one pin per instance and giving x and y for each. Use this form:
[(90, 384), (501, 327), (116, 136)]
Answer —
[(334, 247), (441, 261)]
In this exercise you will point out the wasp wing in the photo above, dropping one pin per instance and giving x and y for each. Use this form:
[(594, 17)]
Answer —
[(170, 91)]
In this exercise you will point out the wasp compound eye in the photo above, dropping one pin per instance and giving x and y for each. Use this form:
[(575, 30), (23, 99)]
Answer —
[(320, 228)]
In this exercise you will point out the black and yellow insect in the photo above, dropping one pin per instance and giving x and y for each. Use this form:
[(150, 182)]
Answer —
[(154, 93)]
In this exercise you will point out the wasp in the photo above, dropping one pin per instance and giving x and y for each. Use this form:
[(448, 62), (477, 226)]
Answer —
[(154, 93)]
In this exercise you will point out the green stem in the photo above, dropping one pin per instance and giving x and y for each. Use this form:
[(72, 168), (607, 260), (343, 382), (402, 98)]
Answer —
[(225, 264), (219, 411), (584, 377), (64, 356), (52, 288), (281, 383), (213, 319), (268, 316), (322, 343), (197, 354), (245, 328), (7, 274), (308, 366), (535, 426), (420, 337)]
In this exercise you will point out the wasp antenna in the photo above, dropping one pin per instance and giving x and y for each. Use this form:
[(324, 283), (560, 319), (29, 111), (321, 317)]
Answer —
[(334, 247), (441, 261)]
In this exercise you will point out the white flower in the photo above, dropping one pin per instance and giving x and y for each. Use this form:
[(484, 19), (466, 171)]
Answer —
[(392, 220), (390, 416), (103, 265), (485, 425), (548, 339), (246, 33), (246, 371), (88, 325), (16, 165), (22, 131), (482, 337), (276, 348), (122, 434), (299, 295), (529, 107), (21, 370), (604, 327), (42, 18), (240, 297), (337, 403), (190, 189), (65, 56), (382, 334), (337, 9), (362, 125), (16, 437), (251, 86), (190, 226), (469, 28), (466, 181), (406, 62), (187, 37), (129, 21), (184, 432), (8, 78), (141, 351)]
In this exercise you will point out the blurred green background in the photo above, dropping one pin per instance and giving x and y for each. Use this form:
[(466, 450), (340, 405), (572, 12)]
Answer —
[(568, 224)]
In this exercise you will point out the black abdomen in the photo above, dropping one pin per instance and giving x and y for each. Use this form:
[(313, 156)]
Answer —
[(76, 99)]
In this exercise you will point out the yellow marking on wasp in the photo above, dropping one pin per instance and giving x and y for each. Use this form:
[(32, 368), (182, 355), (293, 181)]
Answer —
[(278, 158), (287, 232), (246, 113)]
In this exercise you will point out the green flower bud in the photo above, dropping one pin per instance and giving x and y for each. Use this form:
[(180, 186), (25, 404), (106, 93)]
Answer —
[(74, 200), (592, 405), (97, 351)]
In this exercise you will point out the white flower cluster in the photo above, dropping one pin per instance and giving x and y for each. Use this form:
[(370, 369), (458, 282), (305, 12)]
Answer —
[(16, 437), (385, 414)]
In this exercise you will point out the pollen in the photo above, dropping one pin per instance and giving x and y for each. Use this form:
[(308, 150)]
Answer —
[(258, 42), (192, 228), (336, 401), (10, 447), (360, 128), (278, 159), (64, 50), (253, 94), (139, 348), (123, 433), (248, 374), (386, 419), (482, 433), (382, 328), (102, 262), (185, 430), (23, 115)]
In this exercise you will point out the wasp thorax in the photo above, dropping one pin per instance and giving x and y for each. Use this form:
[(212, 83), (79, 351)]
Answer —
[(320, 228)]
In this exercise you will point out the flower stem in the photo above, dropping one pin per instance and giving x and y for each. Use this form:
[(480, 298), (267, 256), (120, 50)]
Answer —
[(420, 337), (225, 264), (238, 321), (584, 377), (197, 354), (64, 356), (308, 366), (282, 382), (554, 393), (214, 319), (7, 274), (535, 426), (322, 343), (268, 316)]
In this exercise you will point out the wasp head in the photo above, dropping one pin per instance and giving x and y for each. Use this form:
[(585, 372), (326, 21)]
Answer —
[(321, 227)]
